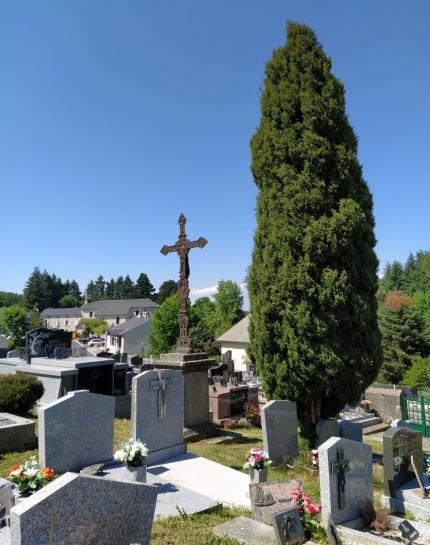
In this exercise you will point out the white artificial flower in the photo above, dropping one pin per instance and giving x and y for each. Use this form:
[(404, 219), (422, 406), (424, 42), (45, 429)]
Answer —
[(30, 472), (16, 473)]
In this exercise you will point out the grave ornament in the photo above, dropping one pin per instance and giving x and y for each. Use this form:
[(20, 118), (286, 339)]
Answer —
[(288, 526), (339, 468)]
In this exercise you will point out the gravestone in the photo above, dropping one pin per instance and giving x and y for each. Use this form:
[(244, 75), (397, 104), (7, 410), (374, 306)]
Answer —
[(42, 342), (82, 510), (7, 500), (270, 497), (288, 526), (351, 430), (279, 425), (326, 428), (13, 354), (76, 431), (399, 445), (16, 433), (157, 413), (346, 478)]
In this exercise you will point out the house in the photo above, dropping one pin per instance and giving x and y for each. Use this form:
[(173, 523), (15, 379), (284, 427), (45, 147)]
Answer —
[(236, 339), (130, 337), (62, 318), (118, 311)]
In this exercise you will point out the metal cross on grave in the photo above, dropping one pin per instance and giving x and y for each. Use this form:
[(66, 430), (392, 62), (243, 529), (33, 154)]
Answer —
[(339, 468), (161, 386), (182, 248)]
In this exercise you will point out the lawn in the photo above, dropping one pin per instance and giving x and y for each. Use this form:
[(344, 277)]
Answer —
[(196, 529)]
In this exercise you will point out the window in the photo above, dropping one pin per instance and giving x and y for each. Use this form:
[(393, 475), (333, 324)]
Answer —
[(117, 319), (136, 312), (57, 323), (66, 323), (91, 314)]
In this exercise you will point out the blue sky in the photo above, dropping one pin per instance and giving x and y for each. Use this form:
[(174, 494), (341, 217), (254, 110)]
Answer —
[(115, 116)]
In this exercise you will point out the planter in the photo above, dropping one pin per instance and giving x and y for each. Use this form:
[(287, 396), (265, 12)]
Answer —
[(137, 474), (258, 475)]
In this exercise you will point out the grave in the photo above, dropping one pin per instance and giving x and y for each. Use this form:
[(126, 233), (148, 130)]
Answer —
[(327, 428), (157, 415), (16, 433), (405, 485), (227, 400), (279, 425), (76, 431), (288, 526), (270, 497), (79, 510)]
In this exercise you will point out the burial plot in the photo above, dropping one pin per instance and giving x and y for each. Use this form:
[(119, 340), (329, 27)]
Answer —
[(16, 433), (82, 510), (157, 413), (76, 431), (346, 479), (279, 425), (268, 498)]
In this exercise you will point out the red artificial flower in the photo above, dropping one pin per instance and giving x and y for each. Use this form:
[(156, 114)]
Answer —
[(47, 472)]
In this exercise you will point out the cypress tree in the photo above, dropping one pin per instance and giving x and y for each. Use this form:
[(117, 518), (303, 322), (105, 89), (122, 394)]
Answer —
[(313, 278)]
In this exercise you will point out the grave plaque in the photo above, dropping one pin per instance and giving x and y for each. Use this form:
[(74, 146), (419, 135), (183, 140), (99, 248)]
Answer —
[(288, 526), (76, 431), (83, 510), (346, 478), (279, 425), (399, 445), (42, 342), (157, 412), (268, 498)]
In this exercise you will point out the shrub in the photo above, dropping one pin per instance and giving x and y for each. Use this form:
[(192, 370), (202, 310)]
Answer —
[(19, 393)]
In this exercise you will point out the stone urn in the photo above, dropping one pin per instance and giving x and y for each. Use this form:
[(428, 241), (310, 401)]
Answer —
[(258, 475), (136, 474)]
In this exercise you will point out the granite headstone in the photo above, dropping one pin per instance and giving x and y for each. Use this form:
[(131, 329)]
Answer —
[(279, 425), (326, 428), (76, 431), (351, 430), (346, 478), (83, 510), (288, 526), (399, 445), (157, 413)]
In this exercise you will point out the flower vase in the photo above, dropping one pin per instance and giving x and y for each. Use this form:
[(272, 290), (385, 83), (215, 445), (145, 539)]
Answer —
[(137, 474), (258, 475)]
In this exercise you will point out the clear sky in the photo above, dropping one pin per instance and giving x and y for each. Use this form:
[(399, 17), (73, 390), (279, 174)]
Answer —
[(117, 115)]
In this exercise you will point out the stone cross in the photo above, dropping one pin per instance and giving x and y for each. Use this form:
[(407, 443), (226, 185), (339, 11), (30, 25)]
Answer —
[(182, 248), (339, 468), (161, 386)]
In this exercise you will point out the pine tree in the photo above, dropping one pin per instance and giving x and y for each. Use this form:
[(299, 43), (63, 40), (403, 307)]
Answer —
[(313, 278), (37, 291), (128, 288), (143, 288), (100, 287), (118, 291), (167, 288), (110, 289), (91, 292)]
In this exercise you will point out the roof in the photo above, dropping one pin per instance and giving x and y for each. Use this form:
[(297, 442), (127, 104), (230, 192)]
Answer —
[(52, 312), (127, 326), (113, 307), (238, 333)]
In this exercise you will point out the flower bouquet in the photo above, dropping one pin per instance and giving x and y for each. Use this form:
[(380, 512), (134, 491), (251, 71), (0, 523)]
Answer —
[(309, 512), (29, 476), (258, 464), (134, 454)]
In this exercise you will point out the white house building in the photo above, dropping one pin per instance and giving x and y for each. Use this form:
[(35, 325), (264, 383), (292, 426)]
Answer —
[(62, 318), (236, 339), (130, 337)]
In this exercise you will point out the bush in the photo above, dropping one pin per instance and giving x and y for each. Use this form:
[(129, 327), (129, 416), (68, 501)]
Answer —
[(418, 375), (19, 393)]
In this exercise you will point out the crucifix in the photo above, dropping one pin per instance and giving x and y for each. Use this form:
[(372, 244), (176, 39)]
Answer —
[(339, 468), (182, 247), (161, 386)]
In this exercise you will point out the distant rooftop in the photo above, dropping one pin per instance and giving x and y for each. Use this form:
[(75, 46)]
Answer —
[(117, 306), (129, 325), (61, 312), (238, 333)]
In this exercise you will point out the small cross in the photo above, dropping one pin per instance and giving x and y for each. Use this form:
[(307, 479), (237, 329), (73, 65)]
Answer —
[(182, 248), (161, 386), (339, 468), (51, 526)]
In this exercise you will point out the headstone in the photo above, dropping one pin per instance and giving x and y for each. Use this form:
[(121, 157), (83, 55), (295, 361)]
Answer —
[(42, 342), (326, 428), (351, 430), (267, 498), (288, 526), (399, 445), (7, 500), (13, 354), (346, 478), (82, 510), (280, 435), (76, 431), (157, 413)]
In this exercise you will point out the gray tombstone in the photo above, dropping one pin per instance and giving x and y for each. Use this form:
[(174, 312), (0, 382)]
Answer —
[(279, 424), (76, 431), (351, 430), (399, 445), (79, 510), (13, 354), (346, 479), (7, 500), (157, 412), (288, 526), (326, 428)]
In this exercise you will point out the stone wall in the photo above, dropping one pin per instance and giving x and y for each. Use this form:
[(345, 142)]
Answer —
[(386, 402)]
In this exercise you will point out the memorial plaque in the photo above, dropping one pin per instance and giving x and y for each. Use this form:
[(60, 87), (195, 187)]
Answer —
[(268, 498), (399, 445), (42, 342), (98, 379), (288, 526)]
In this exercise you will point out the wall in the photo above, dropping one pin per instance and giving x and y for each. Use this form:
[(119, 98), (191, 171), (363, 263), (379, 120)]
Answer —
[(386, 402), (238, 354), (51, 323)]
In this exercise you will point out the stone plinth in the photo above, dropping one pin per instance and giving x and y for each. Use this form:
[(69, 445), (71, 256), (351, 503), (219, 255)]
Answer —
[(16, 433), (194, 368)]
